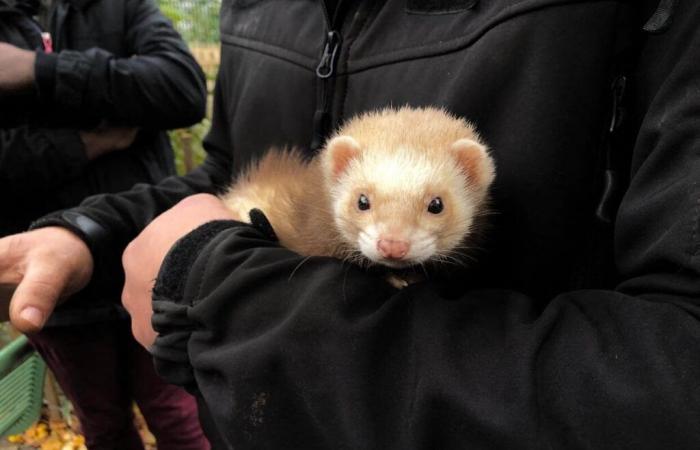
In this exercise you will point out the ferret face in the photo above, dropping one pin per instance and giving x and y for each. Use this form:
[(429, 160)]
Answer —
[(401, 210), (406, 185)]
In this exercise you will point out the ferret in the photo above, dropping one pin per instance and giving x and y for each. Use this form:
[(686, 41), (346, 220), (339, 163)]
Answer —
[(393, 187)]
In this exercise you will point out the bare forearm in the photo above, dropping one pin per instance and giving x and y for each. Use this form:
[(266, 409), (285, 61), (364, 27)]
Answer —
[(16, 68)]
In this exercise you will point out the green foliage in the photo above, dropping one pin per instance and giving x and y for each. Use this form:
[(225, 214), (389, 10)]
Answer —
[(198, 23), (194, 136)]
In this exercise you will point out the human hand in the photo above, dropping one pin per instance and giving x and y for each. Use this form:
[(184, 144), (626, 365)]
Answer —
[(144, 255), (105, 139), (37, 269), (16, 68)]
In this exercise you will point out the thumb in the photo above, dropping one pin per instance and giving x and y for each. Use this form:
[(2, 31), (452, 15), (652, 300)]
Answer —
[(36, 297)]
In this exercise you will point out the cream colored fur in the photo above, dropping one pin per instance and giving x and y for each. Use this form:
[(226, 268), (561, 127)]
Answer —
[(401, 159)]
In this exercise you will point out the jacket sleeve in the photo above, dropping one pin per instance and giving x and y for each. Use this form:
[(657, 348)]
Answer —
[(108, 222), (159, 85), (295, 353), (36, 160)]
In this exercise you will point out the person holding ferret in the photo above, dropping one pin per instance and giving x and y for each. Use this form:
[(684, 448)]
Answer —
[(575, 328)]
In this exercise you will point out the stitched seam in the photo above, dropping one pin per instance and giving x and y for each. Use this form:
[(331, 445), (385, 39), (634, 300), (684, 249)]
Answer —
[(395, 56), (434, 11), (271, 50), (695, 224), (453, 45)]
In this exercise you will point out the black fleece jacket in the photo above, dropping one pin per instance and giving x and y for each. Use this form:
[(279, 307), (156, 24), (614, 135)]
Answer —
[(571, 332), (115, 62)]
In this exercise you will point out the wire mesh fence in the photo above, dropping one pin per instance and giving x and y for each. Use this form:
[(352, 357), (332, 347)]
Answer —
[(196, 20), (198, 23)]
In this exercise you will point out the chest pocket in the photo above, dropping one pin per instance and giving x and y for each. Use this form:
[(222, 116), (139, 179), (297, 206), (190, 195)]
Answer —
[(443, 26)]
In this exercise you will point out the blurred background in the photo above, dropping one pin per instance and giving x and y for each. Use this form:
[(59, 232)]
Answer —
[(198, 22), (34, 414)]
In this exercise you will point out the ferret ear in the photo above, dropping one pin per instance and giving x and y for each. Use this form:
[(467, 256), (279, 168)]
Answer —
[(476, 163), (339, 152)]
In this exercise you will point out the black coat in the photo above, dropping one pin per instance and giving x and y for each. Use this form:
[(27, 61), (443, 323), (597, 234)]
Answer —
[(571, 332), (18, 28), (115, 61)]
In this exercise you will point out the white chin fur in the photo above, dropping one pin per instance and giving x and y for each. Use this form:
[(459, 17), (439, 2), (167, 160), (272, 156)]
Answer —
[(367, 243)]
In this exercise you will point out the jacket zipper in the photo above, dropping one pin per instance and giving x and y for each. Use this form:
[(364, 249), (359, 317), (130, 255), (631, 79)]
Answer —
[(325, 72), (330, 52), (607, 204)]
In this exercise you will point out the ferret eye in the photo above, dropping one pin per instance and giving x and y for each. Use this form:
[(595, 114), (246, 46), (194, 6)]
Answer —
[(363, 203), (436, 206)]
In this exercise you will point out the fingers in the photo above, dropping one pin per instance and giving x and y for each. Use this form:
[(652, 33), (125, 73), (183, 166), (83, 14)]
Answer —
[(11, 272), (106, 139), (37, 268), (119, 138), (144, 255), (11, 258), (36, 297), (128, 136), (136, 296)]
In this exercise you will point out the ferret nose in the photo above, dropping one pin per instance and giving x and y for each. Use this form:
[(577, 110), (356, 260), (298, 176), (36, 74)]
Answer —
[(393, 249)]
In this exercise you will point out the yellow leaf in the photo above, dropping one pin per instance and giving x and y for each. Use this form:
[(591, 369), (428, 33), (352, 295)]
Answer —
[(15, 438), (51, 444)]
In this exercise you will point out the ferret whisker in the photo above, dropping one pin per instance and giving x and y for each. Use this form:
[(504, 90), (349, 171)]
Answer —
[(485, 212), (425, 270), (455, 258), (316, 215), (470, 249), (460, 257), (297, 267)]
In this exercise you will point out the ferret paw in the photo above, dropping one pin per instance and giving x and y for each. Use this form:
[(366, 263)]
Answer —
[(405, 279), (397, 281)]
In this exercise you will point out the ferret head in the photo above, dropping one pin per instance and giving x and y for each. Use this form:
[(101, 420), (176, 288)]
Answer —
[(406, 185)]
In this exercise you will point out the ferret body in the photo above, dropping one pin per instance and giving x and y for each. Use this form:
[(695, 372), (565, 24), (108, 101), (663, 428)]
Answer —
[(395, 187)]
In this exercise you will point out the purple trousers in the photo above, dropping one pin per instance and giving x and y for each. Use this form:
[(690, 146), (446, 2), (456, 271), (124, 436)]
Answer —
[(102, 370)]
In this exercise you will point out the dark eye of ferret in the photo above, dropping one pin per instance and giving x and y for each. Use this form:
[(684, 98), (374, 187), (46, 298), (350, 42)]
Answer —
[(363, 203), (436, 206)]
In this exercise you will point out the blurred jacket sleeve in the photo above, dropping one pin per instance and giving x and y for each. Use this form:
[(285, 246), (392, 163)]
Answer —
[(290, 353), (36, 160), (108, 222), (160, 86)]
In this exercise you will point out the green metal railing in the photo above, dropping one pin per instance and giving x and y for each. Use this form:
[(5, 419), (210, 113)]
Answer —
[(21, 386)]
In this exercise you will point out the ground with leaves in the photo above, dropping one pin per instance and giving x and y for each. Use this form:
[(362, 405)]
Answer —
[(64, 435)]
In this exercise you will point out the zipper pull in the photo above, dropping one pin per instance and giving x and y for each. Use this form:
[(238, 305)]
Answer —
[(324, 70), (610, 197), (618, 91), (326, 67)]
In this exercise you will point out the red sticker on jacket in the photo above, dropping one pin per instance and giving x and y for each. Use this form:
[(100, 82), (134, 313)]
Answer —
[(48, 43)]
